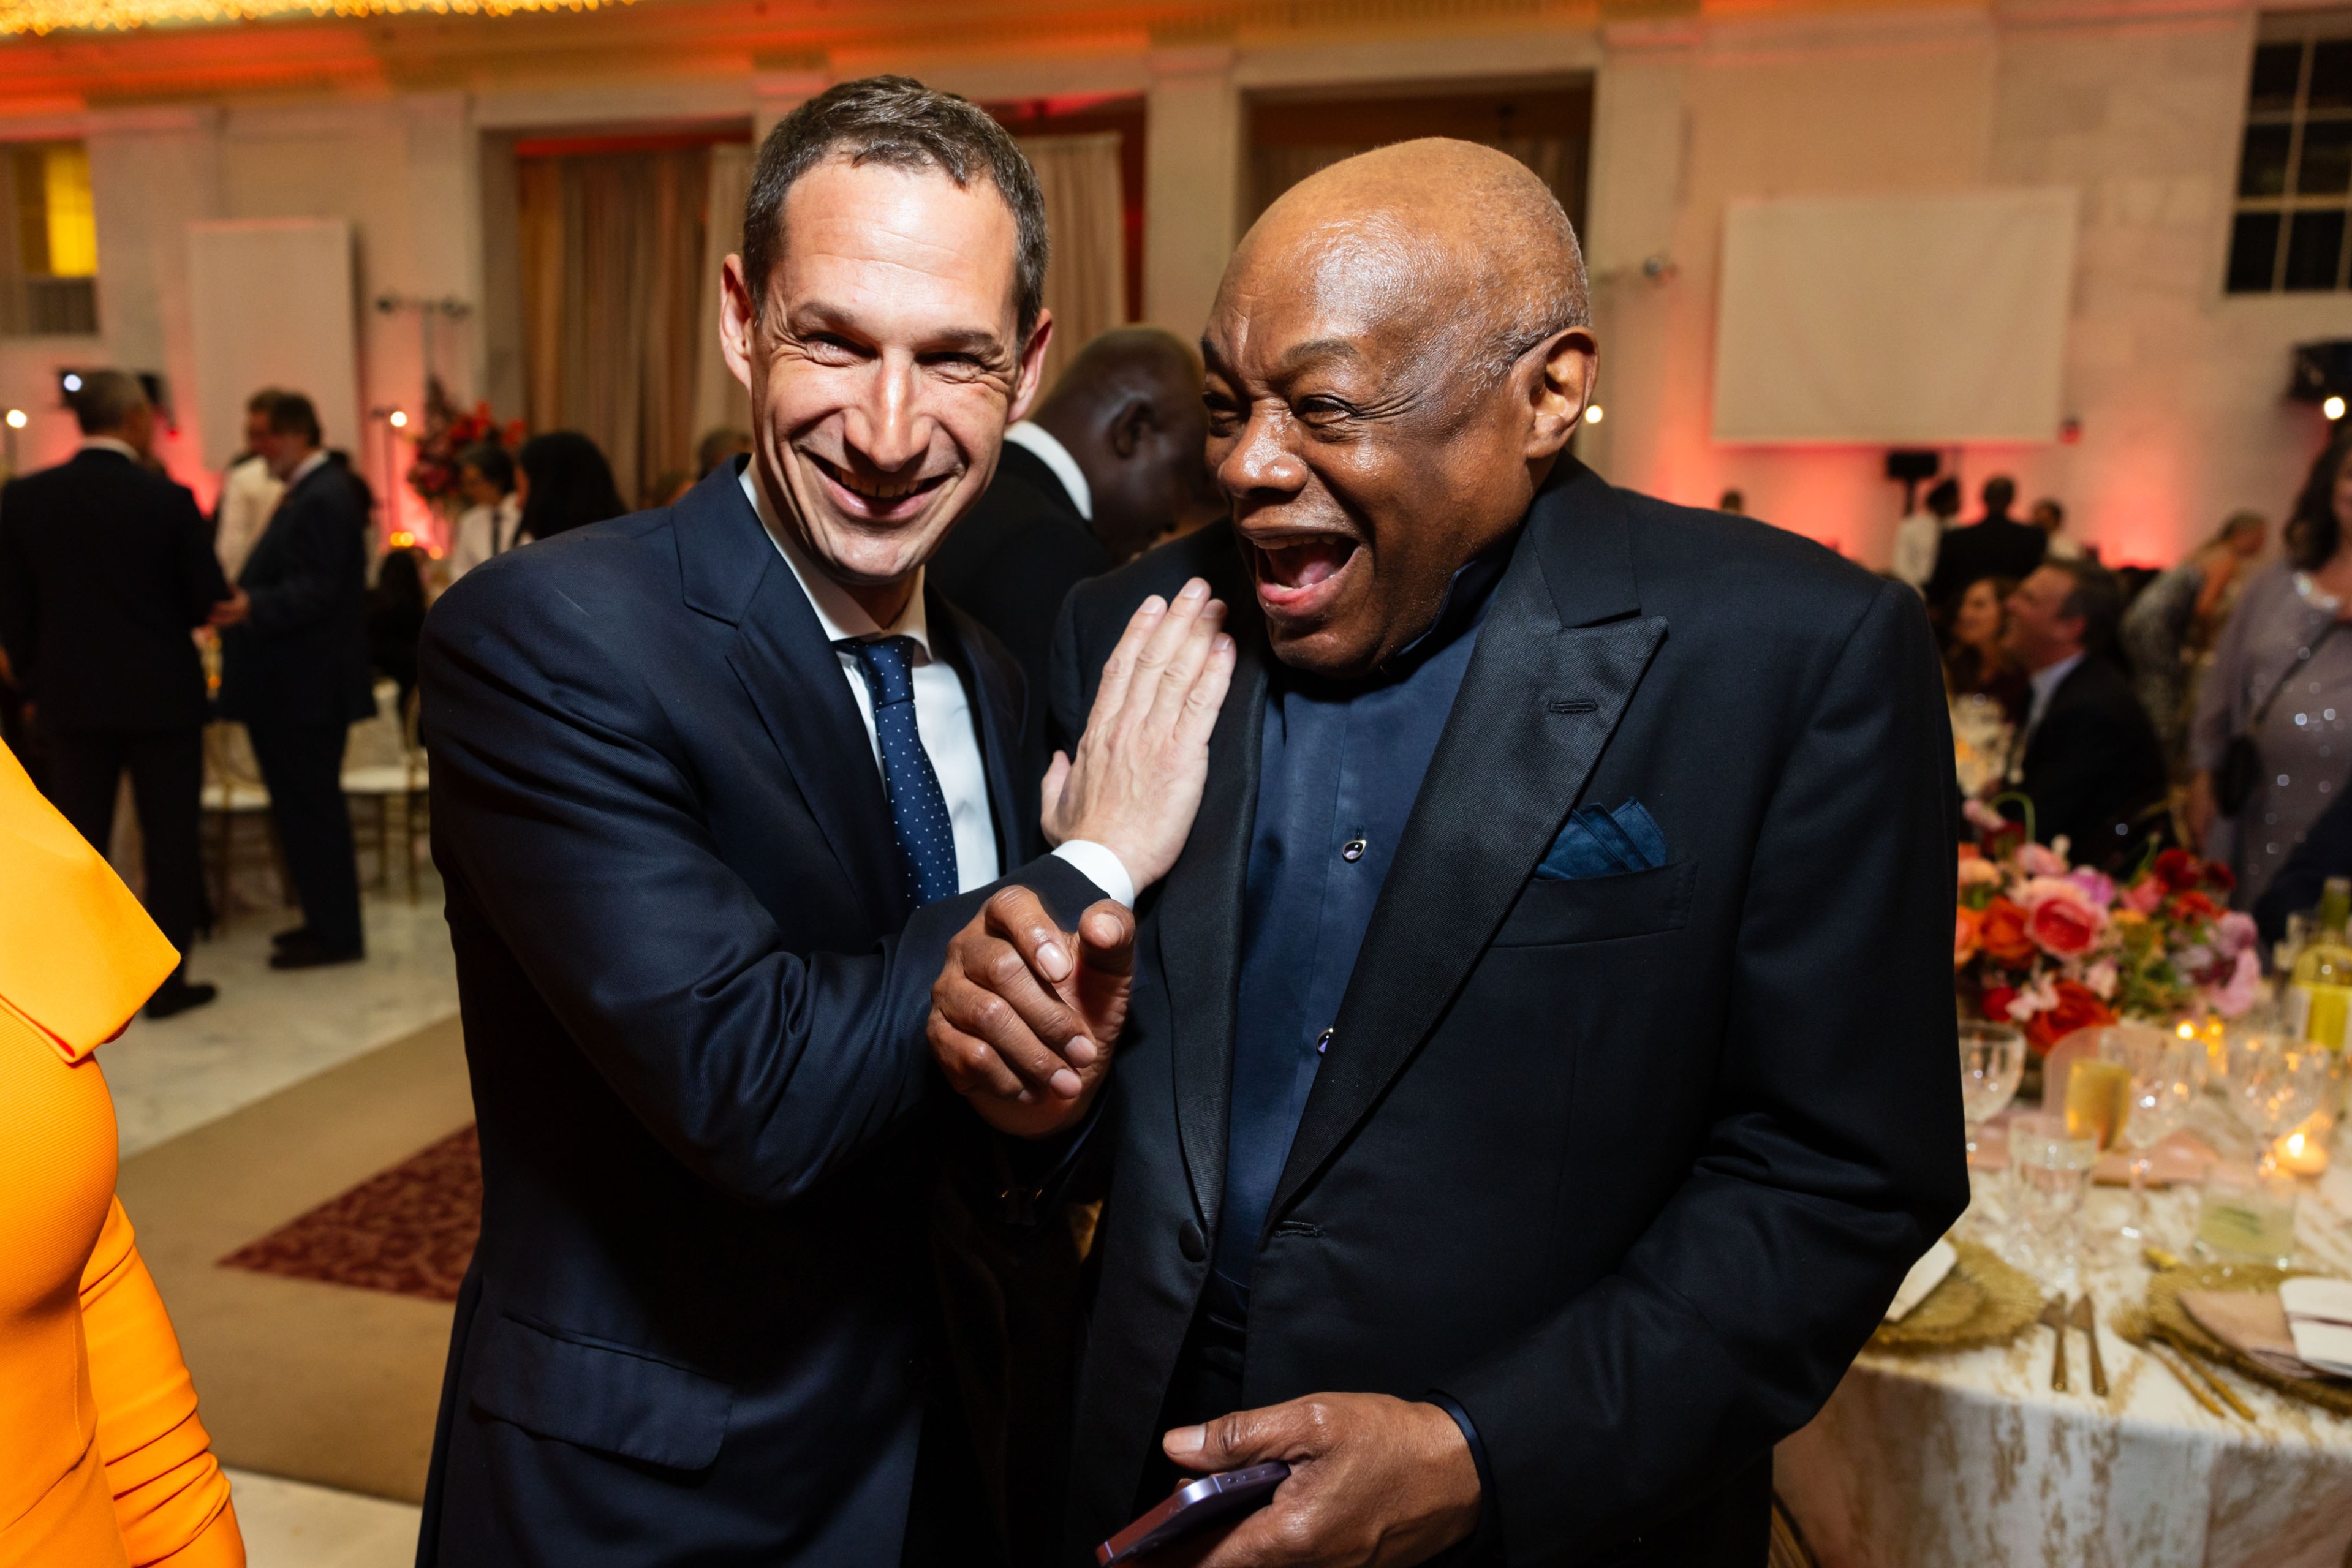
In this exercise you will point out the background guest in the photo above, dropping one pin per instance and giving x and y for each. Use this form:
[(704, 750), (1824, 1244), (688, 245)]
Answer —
[(2088, 759), (249, 492), (1995, 545), (2170, 621), (395, 618), (296, 674), (565, 484), (104, 1459), (492, 519), (1733, 502), (718, 446), (1918, 537), (1976, 663), (2049, 517), (1110, 461), (2325, 850), (2282, 671), (104, 570)]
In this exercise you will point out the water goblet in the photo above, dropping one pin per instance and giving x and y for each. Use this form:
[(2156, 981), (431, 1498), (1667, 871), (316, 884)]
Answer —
[(2167, 1073), (2276, 1081), (1992, 1061), (2048, 1168)]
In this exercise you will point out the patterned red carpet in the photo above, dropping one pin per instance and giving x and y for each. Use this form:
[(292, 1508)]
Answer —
[(410, 1229)]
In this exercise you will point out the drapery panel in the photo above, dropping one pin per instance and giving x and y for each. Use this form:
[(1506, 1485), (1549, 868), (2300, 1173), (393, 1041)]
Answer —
[(1084, 284), (719, 401)]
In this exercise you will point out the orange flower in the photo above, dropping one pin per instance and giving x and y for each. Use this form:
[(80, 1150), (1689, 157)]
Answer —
[(1965, 925), (2079, 1007), (2003, 935), (2191, 906)]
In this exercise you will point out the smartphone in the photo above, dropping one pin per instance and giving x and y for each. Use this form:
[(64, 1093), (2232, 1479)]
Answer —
[(1212, 1499)]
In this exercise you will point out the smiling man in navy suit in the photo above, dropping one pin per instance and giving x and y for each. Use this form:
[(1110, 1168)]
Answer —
[(713, 785), (1537, 1074)]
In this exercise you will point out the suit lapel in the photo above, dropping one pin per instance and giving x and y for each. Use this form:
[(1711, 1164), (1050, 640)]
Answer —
[(998, 711), (732, 570), (1544, 691), (1199, 916)]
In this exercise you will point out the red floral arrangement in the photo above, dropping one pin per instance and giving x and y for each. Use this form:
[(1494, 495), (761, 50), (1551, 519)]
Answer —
[(445, 435)]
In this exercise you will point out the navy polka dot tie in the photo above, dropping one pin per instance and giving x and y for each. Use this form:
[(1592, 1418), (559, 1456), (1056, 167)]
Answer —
[(918, 811)]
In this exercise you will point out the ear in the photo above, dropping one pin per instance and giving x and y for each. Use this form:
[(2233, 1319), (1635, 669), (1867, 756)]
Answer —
[(737, 321), (1135, 416), (1565, 371), (1032, 369)]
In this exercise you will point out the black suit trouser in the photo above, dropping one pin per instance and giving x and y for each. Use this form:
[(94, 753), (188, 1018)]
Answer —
[(167, 781), (303, 766)]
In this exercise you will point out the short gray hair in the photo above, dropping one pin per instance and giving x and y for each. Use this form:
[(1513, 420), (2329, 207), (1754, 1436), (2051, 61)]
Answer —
[(898, 122), (106, 400)]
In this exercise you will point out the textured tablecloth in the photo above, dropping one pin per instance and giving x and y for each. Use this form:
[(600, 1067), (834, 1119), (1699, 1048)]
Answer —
[(1920, 1461)]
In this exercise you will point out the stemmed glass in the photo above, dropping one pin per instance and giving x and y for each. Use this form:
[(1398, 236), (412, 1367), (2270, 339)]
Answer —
[(2276, 1081), (1992, 1060), (2167, 1072)]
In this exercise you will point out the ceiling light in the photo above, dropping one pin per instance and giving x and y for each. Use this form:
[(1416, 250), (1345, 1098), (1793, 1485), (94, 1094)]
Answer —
[(87, 16), (2333, 408), (1592, 414), (15, 419)]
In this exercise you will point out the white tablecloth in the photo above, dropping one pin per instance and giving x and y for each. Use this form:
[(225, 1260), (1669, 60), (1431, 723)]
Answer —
[(1920, 1461)]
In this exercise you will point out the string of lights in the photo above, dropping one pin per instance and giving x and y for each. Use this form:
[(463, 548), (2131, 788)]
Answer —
[(122, 16)]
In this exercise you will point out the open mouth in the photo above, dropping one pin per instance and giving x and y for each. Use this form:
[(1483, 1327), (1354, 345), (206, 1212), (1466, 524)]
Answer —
[(877, 496), (1300, 575)]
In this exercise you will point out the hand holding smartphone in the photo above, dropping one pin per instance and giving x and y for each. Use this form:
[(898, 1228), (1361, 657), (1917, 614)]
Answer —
[(1212, 1499)]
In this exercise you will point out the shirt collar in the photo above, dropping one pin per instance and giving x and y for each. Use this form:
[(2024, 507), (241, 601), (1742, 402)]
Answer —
[(1050, 451), (2046, 680), (304, 470), (842, 618), (110, 444)]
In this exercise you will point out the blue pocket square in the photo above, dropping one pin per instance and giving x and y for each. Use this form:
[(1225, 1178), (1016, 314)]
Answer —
[(1605, 843)]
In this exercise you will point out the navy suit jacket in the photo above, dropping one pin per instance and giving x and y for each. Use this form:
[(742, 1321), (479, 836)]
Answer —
[(699, 1325), (104, 569), (301, 656), (1627, 1167)]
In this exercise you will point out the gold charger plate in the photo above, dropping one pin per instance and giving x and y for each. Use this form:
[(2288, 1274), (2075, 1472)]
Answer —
[(1981, 1302), (2165, 1311)]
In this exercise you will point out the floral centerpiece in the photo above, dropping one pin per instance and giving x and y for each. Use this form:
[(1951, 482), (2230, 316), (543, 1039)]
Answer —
[(2053, 947), (445, 435)]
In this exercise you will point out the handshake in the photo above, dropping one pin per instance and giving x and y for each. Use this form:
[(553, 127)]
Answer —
[(1024, 1017)]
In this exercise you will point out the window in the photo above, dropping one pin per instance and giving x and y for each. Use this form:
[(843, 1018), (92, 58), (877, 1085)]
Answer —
[(2294, 170)]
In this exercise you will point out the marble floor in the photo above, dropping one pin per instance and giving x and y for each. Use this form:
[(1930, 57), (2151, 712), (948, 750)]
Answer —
[(269, 1031)]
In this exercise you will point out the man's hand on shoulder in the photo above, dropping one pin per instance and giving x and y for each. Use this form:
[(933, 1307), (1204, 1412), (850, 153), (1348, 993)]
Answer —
[(1374, 1480), (1021, 1028), (1136, 780)]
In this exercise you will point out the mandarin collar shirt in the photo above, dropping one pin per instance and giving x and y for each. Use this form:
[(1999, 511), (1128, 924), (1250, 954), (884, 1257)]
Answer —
[(1049, 450)]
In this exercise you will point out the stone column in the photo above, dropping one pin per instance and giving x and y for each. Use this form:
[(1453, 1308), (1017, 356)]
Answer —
[(1191, 183)]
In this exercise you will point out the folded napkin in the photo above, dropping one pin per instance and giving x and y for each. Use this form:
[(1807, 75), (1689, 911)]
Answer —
[(2319, 1315), (1925, 1276), (2251, 1322), (2181, 1157)]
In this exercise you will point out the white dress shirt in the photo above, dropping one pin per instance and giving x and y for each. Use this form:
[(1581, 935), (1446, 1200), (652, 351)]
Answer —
[(481, 533), (2045, 683), (249, 493), (943, 715), (1917, 538), (114, 443), (1050, 451)]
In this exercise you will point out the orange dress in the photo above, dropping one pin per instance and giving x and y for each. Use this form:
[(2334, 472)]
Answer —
[(103, 1462)]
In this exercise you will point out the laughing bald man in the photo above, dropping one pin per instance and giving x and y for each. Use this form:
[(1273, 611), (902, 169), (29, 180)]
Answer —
[(1537, 1074)]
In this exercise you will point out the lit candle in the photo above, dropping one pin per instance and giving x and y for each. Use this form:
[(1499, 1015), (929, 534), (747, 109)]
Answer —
[(2303, 1152)]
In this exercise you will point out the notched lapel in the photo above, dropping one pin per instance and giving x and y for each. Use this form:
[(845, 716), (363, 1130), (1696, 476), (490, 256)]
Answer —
[(1537, 706), (1200, 922)]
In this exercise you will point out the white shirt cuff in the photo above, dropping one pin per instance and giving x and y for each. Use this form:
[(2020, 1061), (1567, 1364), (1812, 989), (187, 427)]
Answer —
[(1100, 866)]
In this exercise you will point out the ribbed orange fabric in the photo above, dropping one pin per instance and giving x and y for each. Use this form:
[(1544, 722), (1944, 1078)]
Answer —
[(102, 1460)]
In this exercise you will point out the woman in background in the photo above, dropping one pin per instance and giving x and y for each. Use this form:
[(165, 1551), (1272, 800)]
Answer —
[(1987, 691), (565, 484), (395, 618), (2284, 668), (2171, 620), (103, 1461)]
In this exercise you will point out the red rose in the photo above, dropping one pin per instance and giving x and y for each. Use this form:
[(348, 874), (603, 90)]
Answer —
[(2078, 1008), (1995, 1003), (2179, 870), (2063, 928), (2219, 876), (2191, 906), (2003, 935)]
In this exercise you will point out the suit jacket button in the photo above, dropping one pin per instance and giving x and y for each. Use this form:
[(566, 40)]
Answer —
[(1191, 1243)]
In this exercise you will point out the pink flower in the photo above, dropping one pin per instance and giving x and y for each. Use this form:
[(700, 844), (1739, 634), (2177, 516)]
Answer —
[(2144, 895), (2103, 980), (2098, 884), (2235, 933), (2060, 917), (2237, 994), (1982, 817), (2040, 861)]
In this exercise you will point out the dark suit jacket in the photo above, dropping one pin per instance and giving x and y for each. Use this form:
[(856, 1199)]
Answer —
[(697, 1327), (1994, 547), (1628, 1166), (2092, 764), (1015, 556), (104, 569), (302, 656)]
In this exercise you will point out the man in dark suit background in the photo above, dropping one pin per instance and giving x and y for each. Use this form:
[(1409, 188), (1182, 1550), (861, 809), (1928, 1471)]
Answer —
[(105, 569), (2087, 757), (1995, 545), (1110, 461), (295, 673), (1537, 1071), (712, 787)]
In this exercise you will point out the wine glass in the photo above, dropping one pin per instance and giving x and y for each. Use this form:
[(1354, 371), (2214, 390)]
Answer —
[(2167, 1073), (1992, 1060), (2276, 1081)]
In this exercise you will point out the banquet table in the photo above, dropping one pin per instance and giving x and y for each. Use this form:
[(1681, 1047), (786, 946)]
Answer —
[(1969, 1458)]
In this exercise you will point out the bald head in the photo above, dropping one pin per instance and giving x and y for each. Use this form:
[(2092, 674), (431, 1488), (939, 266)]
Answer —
[(1398, 355), (1128, 410)]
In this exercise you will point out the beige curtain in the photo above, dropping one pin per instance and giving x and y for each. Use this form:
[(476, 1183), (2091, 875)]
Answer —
[(612, 260), (719, 401), (1086, 285)]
